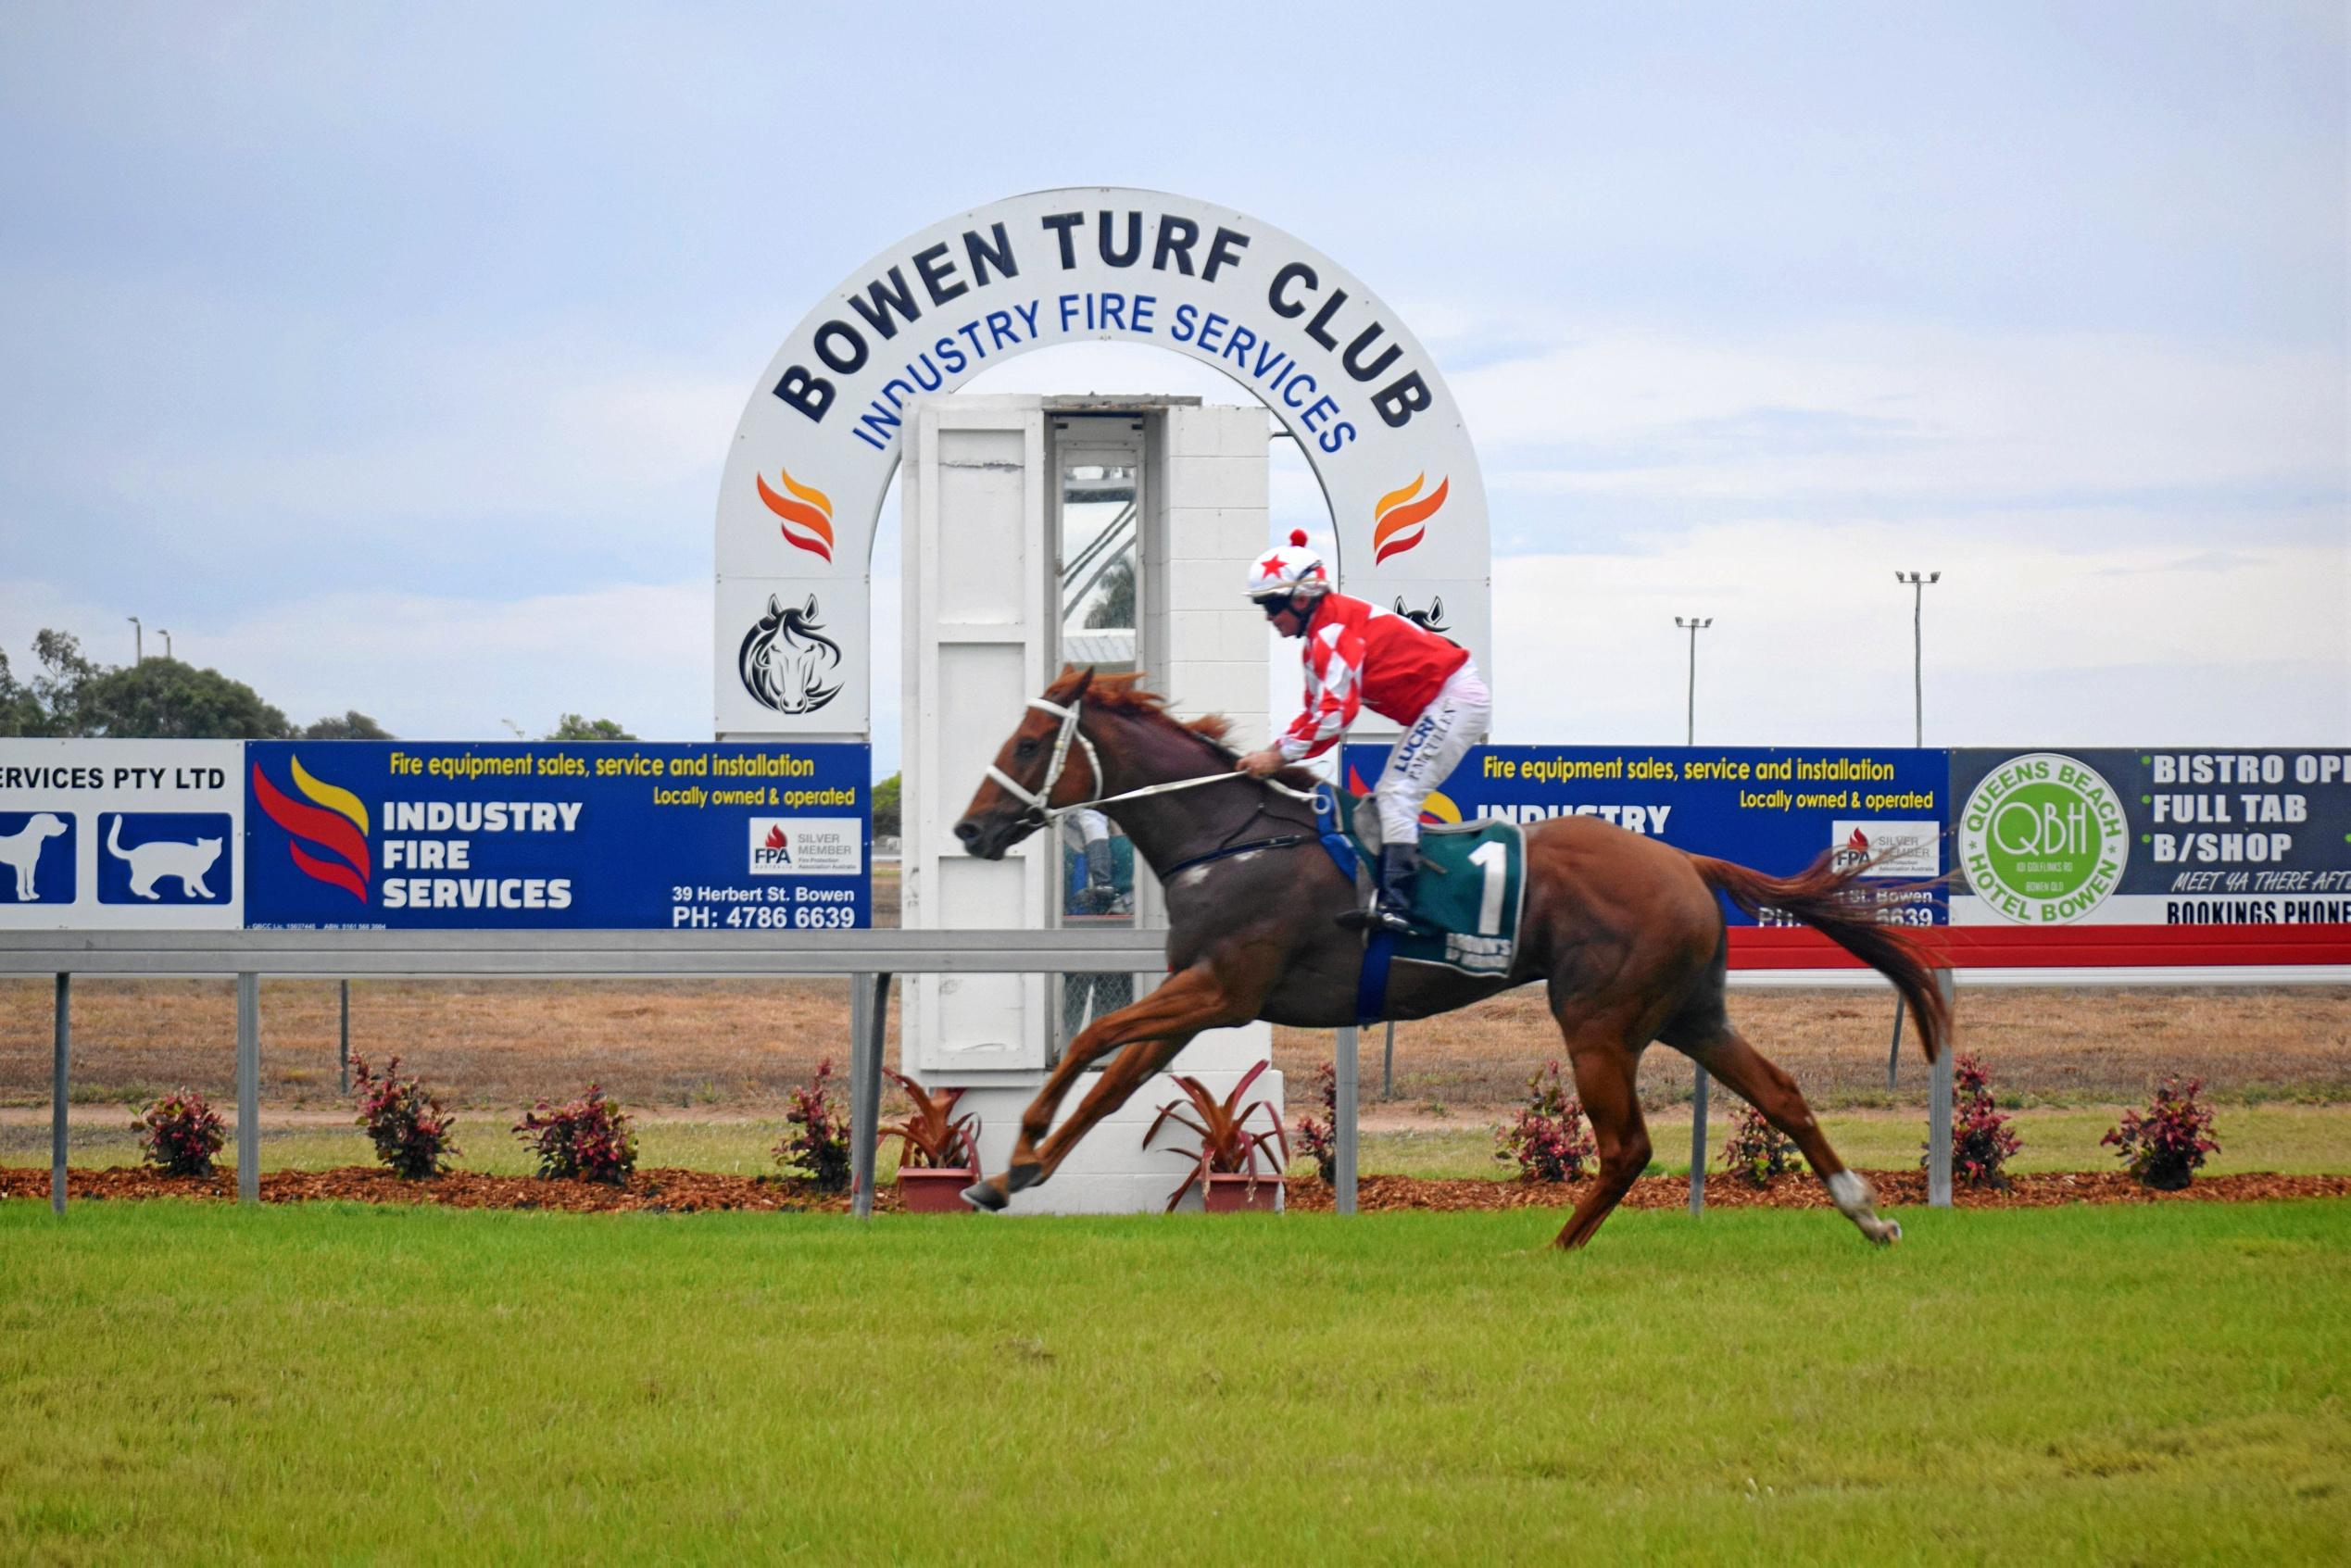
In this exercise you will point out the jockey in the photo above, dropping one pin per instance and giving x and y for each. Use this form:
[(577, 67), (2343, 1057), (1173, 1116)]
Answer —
[(1358, 655)]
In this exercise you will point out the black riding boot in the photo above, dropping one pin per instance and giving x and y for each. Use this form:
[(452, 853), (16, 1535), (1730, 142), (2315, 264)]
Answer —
[(1101, 880), (1392, 899)]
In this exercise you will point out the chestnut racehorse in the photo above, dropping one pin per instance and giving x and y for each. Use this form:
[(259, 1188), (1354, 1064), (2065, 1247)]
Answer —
[(1624, 931)]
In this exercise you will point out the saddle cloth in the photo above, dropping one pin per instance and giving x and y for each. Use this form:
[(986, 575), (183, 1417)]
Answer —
[(1471, 890)]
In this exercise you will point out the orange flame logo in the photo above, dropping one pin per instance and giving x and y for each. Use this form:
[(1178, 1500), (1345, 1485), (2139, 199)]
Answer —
[(339, 822), (807, 513), (1398, 518)]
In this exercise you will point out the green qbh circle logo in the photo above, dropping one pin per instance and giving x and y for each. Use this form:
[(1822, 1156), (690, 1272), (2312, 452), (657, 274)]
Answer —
[(2044, 838)]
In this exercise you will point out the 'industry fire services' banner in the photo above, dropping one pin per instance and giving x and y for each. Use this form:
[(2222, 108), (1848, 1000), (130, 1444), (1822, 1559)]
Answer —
[(398, 835)]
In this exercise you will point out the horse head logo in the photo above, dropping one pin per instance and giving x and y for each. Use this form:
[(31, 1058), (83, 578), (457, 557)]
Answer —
[(1429, 620), (786, 662)]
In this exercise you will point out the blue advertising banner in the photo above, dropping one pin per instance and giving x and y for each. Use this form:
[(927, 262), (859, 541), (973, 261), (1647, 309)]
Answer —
[(1774, 809), (610, 836)]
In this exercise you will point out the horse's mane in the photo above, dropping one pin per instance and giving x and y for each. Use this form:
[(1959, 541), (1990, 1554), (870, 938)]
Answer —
[(1124, 693)]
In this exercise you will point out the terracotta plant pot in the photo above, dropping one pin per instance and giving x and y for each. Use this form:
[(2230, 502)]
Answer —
[(1231, 1192), (924, 1191)]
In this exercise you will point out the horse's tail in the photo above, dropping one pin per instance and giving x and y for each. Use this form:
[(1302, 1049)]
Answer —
[(1820, 897)]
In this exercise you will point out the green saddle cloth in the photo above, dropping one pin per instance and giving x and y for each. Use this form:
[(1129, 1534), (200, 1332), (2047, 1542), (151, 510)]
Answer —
[(1470, 893)]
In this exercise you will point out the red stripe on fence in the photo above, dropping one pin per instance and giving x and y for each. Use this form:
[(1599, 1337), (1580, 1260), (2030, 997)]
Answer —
[(2062, 947)]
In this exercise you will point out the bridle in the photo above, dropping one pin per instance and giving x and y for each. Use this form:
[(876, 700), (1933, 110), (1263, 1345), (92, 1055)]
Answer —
[(1039, 800)]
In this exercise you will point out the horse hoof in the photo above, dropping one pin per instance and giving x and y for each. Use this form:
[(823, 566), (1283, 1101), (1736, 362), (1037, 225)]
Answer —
[(1022, 1177), (1888, 1234), (984, 1196)]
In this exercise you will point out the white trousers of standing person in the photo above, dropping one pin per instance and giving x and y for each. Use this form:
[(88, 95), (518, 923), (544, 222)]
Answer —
[(1431, 746)]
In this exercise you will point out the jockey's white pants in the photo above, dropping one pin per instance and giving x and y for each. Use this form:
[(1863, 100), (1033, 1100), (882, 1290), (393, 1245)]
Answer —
[(1431, 746)]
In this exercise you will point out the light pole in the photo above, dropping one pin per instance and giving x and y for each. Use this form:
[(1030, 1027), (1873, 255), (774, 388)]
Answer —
[(1917, 583), (165, 633), (138, 640), (1693, 625)]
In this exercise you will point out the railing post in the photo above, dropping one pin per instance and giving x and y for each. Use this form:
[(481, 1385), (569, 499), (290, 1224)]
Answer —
[(64, 1049), (1387, 1064), (1894, 1051), (869, 1017), (1343, 1099), (1938, 1088), (1698, 1142), (342, 1038), (248, 1087)]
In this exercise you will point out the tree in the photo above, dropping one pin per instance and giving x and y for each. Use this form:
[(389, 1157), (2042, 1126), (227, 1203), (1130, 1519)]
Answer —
[(353, 725), (50, 703), (21, 711), (886, 809), (573, 727), (164, 699), (1116, 607)]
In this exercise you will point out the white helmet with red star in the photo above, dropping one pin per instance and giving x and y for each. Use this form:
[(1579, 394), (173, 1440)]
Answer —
[(1289, 569)]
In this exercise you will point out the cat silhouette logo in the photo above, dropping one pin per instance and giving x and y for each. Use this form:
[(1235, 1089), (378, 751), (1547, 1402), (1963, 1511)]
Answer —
[(36, 858), (163, 857), (787, 662), (337, 823)]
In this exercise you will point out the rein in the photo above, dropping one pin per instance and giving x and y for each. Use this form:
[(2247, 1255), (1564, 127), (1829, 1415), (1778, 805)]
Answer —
[(1038, 800)]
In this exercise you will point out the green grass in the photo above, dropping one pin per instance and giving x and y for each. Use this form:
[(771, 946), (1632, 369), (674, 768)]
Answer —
[(743, 1148), (2292, 1139), (2163, 1383)]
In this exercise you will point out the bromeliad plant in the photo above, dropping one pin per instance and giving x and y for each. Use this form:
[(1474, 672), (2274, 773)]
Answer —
[(2164, 1148), (590, 1139), (1757, 1150), (934, 1137), (1226, 1145), (819, 1142), (1980, 1138), (1319, 1137), (410, 1131), (180, 1134), (1549, 1142)]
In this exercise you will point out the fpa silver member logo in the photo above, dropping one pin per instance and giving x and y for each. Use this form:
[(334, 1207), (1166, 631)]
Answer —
[(2044, 838), (807, 845), (1913, 850)]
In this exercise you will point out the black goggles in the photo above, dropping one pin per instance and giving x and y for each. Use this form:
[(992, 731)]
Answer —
[(1274, 606)]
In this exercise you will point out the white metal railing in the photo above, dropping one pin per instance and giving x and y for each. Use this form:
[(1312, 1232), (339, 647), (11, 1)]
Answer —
[(867, 958)]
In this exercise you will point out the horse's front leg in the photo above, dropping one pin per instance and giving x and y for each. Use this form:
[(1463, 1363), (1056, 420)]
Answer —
[(1188, 1002)]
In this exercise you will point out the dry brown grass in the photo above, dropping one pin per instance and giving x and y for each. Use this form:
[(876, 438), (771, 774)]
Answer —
[(721, 1048), (2053, 1045)]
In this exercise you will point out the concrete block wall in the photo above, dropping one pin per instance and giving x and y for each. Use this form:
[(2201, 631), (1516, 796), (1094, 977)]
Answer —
[(1208, 518)]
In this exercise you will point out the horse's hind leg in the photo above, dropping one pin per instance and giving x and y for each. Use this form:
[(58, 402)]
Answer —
[(1722, 1050)]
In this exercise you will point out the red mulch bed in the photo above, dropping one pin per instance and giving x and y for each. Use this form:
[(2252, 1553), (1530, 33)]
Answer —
[(664, 1191), (688, 1192)]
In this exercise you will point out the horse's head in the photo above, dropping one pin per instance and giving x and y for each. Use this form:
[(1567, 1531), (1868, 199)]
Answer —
[(786, 662), (1046, 762)]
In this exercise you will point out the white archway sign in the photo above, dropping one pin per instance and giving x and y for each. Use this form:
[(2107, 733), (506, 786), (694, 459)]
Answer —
[(819, 440)]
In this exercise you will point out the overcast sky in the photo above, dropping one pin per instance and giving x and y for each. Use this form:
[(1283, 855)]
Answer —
[(388, 356)]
